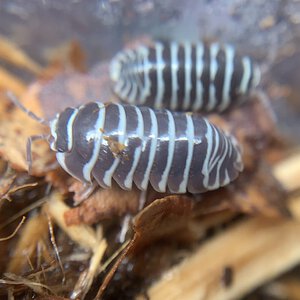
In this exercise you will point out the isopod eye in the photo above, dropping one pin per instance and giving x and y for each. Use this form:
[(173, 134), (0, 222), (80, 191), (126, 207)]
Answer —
[(61, 139)]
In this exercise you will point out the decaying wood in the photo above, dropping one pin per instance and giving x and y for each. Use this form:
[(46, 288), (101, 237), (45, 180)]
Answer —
[(257, 250), (285, 288)]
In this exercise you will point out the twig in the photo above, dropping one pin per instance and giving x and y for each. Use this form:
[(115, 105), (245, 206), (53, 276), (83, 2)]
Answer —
[(15, 231), (52, 238)]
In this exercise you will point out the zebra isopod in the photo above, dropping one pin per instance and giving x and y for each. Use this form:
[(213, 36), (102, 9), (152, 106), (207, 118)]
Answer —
[(183, 76), (172, 151)]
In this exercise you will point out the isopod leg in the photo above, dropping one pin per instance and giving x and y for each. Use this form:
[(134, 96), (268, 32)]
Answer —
[(30, 140)]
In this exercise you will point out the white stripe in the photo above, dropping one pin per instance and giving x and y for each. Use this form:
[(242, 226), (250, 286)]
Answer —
[(70, 129), (134, 88), (210, 158), (199, 69), (53, 128), (246, 75), (117, 73), (256, 77), (174, 69), (130, 77), (116, 66), (60, 157), (239, 162), (225, 154), (187, 75), (138, 150), (96, 136), (229, 65), (218, 183), (121, 138), (227, 179), (190, 139), (139, 72), (214, 158), (152, 152), (171, 147), (160, 65), (119, 85), (205, 168), (126, 89), (214, 48), (144, 52)]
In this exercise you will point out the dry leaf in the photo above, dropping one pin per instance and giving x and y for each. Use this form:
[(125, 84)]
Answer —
[(162, 217), (15, 128)]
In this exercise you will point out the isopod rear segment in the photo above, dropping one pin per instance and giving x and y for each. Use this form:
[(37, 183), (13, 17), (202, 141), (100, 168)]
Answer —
[(175, 152), (183, 76)]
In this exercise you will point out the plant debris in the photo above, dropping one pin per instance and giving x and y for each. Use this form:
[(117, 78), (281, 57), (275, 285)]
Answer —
[(84, 242)]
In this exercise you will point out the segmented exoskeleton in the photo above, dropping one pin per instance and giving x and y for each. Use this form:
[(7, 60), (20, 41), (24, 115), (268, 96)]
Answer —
[(183, 76), (176, 152)]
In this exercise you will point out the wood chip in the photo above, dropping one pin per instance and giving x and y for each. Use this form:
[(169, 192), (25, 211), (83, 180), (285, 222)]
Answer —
[(86, 278), (83, 235), (257, 250), (288, 172)]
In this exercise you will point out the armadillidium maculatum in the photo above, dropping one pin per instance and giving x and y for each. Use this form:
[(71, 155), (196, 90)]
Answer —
[(176, 152), (183, 77)]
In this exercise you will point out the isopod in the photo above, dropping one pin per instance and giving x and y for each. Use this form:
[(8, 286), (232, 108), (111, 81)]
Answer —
[(183, 76), (173, 151)]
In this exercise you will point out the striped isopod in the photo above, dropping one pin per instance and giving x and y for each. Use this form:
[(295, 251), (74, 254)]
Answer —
[(174, 152), (186, 77)]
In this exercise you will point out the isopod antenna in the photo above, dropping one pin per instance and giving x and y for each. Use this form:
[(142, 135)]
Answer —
[(32, 138), (31, 114)]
